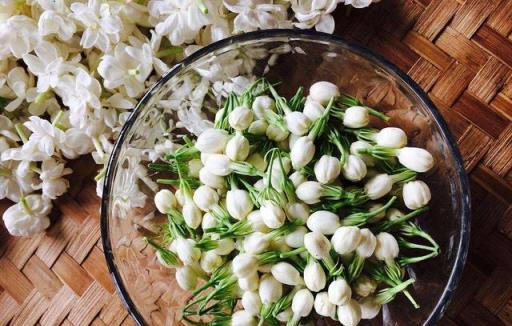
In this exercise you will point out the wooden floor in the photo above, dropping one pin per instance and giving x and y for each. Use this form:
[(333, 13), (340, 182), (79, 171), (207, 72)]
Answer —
[(460, 52)]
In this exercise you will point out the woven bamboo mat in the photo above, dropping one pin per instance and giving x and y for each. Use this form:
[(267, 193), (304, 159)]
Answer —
[(460, 52)]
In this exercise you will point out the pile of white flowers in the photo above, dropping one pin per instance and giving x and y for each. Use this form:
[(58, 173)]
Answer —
[(70, 71), (289, 207)]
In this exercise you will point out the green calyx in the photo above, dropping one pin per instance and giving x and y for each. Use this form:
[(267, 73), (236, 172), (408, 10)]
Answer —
[(361, 218)]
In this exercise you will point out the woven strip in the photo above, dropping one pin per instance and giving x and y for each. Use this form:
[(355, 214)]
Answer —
[(459, 52)]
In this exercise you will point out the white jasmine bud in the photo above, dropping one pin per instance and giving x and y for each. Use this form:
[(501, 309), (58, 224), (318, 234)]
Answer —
[(323, 91), (354, 168), (362, 145), (309, 192), (192, 214), (237, 148), (292, 139), (324, 222), (323, 306), (367, 244), (378, 186), (208, 221), (285, 315), (259, 185), (240, 118), (327, 169), (249, 283), (314, 276), (187, 252), (393, 214), (346, 239), (369, 309), (261, 104), (302, 304), (210, 261), (273, 216), (258, 127), (373, 207), (297, 123), (416, 159), (165, 201), (205, 197), (295, 239), (239, 203), (218, 164), (210, 179), (258, 161), (270, 289), (364, 286), (297, 178), (356, 117), (256, 221), (286, 274), (387, 247), (243, 318), (186, 278), (302, 152), (276, 134), (339, 292), (212, 141), (313, 109), (391, 137), (349, 314), (224, 247), (416, 194), (244, 265), (297, 211), (251, 302), (256, 243), (180, 197), (317, 245), (194, 166)]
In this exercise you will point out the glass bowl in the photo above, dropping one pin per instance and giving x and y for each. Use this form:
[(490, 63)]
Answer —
[(171, 108)]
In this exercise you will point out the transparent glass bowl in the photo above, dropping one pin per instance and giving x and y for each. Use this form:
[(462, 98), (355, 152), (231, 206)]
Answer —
[(296, 58)]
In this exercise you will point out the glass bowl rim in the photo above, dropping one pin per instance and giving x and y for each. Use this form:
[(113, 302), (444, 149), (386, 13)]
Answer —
[(309, 35)]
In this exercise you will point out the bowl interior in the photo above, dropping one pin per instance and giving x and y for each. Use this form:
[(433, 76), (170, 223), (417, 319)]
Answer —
[(172, 108)]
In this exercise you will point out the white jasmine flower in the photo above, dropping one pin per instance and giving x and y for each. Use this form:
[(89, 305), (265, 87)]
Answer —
[(354, 168), (416, 159), (238, 203), (244, 264), (295, 239), (315, 13), (19, 82), (237, 148), (186, 278), (16, 178), (298, 211), (127, 68), (52, 22), (44, 140), (361, 144), (7, 129), (364, 286), (186, 251), (358, 3), (101, 27), (313, 109), (29, 216), (165, 201), (240, 118), (391, 137), (256, 243), (210, 261), (369, 308), (302, 152), (53, 184), (49, 65), (273, 216), (18, 36), (356, 117), (178, 20), (212, 141), (256, 14), (346, 239)]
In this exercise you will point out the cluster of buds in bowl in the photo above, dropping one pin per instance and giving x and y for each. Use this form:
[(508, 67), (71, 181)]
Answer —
[(293, 206)]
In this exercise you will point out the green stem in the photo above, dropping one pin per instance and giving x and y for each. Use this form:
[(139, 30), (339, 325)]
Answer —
[(21, 133), (26, 207), (200, 4), (172, 51)]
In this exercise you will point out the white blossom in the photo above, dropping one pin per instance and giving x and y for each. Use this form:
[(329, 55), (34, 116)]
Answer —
[(315, 13), (29, 216), (18, 36), (256, 14)]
